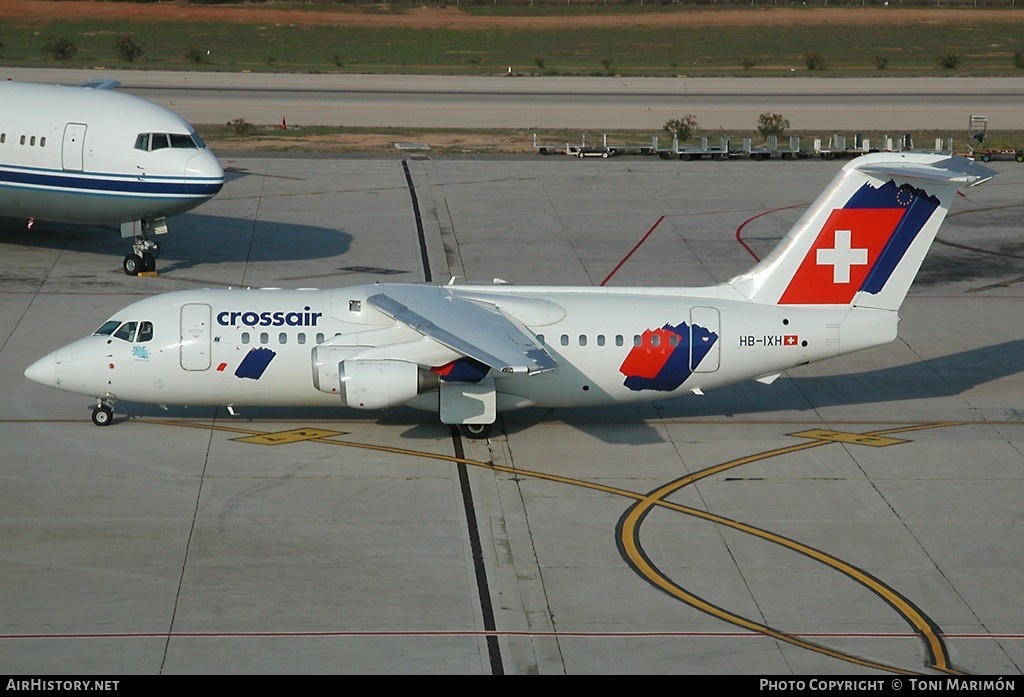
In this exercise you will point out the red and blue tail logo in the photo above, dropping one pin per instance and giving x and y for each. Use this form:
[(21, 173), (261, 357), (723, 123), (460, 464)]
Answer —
[(664, 358), (860, 245)]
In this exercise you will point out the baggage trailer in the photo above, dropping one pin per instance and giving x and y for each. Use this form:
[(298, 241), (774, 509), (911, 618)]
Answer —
[(977, 131), (583, 150), (704, 150), (771, 149)]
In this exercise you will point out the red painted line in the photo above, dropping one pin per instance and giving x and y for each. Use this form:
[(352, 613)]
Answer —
[(635, 247), (739, 230)]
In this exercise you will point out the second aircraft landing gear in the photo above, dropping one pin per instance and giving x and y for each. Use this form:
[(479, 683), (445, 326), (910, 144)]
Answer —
[(134, 264), (144, 250)]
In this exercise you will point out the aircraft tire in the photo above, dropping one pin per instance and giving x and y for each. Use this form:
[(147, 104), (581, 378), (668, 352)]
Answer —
[(133, 263), (102, 416), (148, 262), (475, 431)]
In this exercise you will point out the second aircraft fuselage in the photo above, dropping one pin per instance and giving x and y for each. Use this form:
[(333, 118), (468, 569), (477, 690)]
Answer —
[(98, 156)]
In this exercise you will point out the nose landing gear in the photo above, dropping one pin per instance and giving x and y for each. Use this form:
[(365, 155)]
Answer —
[(103, 414), (144, 250)]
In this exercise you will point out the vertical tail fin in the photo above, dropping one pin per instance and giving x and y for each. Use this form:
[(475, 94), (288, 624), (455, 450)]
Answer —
[(863, 240)]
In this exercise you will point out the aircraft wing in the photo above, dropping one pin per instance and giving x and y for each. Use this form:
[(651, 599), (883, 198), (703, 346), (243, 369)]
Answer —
[(473, 328)]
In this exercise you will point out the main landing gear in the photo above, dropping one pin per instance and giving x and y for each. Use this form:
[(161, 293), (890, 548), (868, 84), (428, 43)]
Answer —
[(475, 431), (103, 414)]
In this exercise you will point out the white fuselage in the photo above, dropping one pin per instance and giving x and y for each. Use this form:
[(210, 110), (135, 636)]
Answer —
[(257, 347), (98, 156)]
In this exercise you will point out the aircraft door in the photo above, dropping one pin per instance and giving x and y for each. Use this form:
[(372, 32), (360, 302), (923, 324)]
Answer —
[(195, 336), (705, 339), (72, 153)]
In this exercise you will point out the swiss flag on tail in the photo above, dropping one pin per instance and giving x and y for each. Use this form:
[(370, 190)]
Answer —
[(842, 256)]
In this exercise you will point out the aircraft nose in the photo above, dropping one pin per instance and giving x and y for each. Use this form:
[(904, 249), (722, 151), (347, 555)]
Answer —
[(204, 174), (44, 371)]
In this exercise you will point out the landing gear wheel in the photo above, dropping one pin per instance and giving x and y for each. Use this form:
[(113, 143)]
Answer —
[(133, 263), (148, 262), (102, 415), (475, 431)]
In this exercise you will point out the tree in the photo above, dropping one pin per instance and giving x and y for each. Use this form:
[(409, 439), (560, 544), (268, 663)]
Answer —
[(813, 60), (771, 125), (684, 128), (127, 48), (61, 48)]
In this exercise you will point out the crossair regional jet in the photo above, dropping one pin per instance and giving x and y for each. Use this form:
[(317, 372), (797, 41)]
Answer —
[(833, 285), (89, 154)]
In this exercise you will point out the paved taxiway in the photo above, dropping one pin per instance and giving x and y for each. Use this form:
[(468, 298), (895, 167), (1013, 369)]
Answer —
[(894, 105), (859, 516)]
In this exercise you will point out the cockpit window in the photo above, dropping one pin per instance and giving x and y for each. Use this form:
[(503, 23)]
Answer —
[(126, 331), (182, 140), (108, 328), (158, 141), (137, 332)]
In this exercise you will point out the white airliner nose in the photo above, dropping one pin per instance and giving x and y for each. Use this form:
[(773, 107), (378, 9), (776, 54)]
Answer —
[(44, 371), (204, 174)]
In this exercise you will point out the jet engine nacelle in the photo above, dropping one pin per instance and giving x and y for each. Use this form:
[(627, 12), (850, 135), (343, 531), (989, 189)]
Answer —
[(372, 383)]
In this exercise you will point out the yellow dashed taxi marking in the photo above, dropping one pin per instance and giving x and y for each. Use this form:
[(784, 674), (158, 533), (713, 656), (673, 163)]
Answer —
[(294, 436), (844, 437)]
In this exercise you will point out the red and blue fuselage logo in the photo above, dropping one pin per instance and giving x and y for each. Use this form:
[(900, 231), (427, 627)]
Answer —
[(666, 357)]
